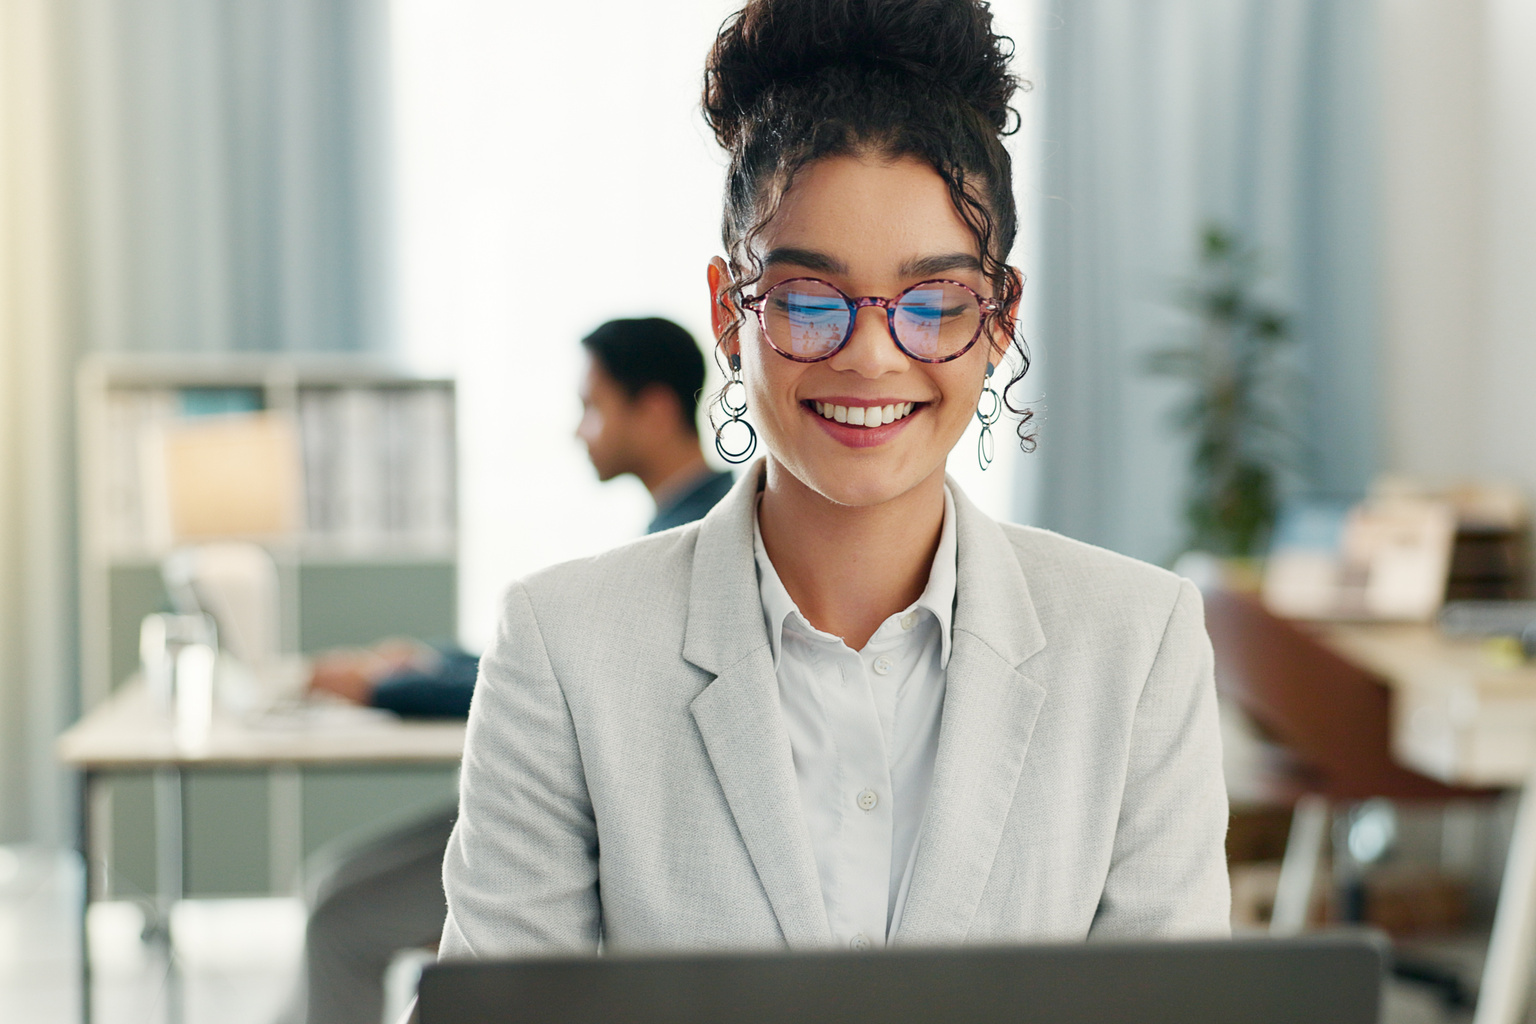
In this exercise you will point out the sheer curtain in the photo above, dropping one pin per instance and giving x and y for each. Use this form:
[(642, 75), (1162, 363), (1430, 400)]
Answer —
[(1160, 117), (36, 596), (232, 168)]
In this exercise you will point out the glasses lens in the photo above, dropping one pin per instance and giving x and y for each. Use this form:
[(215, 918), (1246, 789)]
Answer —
[(936, 319), (805, 319)]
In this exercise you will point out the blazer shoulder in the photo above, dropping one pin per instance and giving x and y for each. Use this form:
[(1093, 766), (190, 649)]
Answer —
[(640, 574), (1085, 578)]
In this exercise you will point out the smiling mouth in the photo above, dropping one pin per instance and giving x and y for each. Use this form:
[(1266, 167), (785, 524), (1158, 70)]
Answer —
[(864, 415)]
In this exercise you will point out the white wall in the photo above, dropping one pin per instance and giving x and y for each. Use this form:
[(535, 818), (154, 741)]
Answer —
[(1459, 233), (554, 172)]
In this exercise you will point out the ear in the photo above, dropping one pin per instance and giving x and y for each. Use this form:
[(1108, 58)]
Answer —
[(1000, 343), (659, 403), (722, 311)]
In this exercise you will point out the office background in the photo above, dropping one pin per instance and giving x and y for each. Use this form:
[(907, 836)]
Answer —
[(470, 185)]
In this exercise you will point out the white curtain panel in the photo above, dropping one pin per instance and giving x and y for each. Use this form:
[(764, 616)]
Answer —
[(36, 531), (1162, 116)]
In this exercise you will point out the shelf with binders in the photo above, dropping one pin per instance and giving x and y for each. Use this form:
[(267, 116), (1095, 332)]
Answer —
[(374, 453)]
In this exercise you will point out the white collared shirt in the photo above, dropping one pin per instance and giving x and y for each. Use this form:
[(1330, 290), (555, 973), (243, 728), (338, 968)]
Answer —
[(864, 731)]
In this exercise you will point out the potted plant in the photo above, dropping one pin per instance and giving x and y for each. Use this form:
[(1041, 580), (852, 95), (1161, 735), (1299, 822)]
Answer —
[(1236, 412)]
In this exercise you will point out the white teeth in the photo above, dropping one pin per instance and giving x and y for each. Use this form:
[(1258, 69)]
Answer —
[(865, 415)]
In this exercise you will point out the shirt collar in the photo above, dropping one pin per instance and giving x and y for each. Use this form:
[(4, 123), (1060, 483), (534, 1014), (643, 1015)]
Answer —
[(937, 598)]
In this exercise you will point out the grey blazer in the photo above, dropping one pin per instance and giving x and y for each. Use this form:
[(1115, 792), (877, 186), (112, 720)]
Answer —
[(628, 779)]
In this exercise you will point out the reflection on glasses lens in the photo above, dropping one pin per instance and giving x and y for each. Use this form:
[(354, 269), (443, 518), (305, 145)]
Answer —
[(936, 319), (809, 319), (806, 319)]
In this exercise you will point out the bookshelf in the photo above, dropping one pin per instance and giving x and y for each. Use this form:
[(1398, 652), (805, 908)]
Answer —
[(374, 555)]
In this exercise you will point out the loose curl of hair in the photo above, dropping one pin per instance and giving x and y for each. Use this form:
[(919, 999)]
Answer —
[(789, 82)]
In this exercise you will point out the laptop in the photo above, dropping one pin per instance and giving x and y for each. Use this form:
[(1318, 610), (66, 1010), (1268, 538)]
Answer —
[(1311, 980)]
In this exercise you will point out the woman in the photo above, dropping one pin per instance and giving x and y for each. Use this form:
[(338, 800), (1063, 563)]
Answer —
[(847, 708)]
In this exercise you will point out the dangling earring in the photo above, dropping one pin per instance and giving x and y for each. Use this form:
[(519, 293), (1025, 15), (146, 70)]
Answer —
[(734, 405), (989, 409)]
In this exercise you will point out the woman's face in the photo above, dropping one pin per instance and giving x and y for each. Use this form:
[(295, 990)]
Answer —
[(872, 227)]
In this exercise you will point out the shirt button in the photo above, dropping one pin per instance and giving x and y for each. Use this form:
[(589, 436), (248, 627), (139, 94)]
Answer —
[(868, 799), (909, 620), (883, 665), (859, 942)]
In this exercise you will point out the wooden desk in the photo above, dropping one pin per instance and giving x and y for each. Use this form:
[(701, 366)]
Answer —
[(1461, 716), (1458, 715), (1399, 711), (128, 734)]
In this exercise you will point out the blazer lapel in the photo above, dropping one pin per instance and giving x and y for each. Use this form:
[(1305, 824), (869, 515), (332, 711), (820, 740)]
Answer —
[(990, 707), (739, 719)]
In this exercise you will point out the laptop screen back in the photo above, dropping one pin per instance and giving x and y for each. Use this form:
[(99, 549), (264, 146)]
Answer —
[(1314, 980)]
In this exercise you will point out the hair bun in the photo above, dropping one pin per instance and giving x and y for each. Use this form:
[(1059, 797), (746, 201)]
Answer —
[(771, 44)]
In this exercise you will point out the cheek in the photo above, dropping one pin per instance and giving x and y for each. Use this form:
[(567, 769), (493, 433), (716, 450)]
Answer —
[(770, 380), (963, 393), (959, 380)]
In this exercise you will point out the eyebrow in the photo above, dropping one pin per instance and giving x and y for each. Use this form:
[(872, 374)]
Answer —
[(810, 259), (918, 266), (927, 266)]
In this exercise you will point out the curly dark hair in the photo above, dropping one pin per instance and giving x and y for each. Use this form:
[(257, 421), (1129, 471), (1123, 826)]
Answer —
[(788, 82)]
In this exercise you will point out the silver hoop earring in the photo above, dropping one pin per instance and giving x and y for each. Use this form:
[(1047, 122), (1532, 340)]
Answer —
[(989, 409), (733, 402)]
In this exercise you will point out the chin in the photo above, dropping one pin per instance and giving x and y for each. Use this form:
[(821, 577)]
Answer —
[(860, 482)]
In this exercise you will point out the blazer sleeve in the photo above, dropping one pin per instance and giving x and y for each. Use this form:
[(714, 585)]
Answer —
[(520, 873), (1168, 870)]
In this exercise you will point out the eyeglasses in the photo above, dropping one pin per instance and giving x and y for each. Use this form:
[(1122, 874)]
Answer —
[(807, 319)]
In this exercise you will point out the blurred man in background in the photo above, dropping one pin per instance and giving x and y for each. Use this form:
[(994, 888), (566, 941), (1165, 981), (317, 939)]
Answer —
[(639, 400), (639, 395)]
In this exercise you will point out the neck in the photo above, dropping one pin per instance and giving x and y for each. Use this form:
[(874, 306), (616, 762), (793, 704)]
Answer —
[(849, 569), (671, 467)]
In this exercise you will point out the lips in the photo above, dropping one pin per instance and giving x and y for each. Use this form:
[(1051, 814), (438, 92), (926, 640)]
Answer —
[(862, 424), (867, 416)]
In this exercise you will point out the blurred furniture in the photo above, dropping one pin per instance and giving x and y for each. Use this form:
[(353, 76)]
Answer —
[(1492, 555), (1395, 711), (1489, 563), (377, 452), (128, 734), (238, 585), (362, 529)]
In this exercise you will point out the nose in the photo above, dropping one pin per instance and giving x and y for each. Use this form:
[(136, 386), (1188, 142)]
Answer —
[(871, 351), (587, 428)]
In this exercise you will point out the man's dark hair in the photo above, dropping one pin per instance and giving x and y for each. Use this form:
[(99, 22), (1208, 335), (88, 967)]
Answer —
[(647, 352)]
